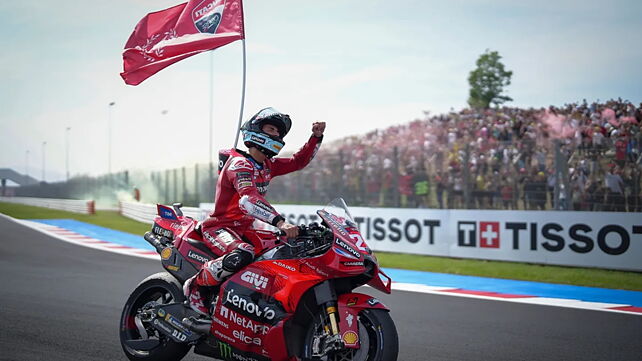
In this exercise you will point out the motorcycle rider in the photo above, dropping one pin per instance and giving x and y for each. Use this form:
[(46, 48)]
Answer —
[(239, 200)]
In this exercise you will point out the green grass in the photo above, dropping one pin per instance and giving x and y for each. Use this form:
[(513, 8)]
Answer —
[(518, 271), (108, 219), (509, 270)]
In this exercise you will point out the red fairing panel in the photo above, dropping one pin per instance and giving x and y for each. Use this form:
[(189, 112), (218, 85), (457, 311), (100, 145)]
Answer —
[(377, 282), (350, 304), (255, 302)]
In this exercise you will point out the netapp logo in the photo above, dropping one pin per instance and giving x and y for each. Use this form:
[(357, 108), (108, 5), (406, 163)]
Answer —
[(488, 234)]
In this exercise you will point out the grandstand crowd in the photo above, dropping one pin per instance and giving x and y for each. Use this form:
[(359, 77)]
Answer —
[(503, 158)]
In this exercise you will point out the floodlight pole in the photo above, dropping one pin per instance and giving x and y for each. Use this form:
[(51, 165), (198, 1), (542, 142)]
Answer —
[(44, 144), (67, 151), (27, 164), (111, 105)]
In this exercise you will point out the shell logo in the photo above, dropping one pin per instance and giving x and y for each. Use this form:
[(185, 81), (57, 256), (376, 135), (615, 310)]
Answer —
[(350, 338), (166, 253)]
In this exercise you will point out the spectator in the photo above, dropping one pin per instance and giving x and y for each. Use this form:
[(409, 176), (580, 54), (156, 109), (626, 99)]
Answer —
[(615, 188), (463, 148)]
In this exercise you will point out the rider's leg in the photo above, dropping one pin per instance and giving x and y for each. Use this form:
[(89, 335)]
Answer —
[(239, 254)]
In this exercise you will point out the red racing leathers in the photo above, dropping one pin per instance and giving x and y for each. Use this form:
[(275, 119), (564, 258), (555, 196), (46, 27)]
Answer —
[(243, 182), (241, 185)]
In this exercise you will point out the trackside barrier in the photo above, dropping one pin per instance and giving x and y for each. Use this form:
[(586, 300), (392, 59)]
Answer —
[(611, 240), (145, 213), (84, 206)]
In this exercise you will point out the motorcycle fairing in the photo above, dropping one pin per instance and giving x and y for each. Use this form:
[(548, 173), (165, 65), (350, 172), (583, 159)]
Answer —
[(351, 246), (243, 317), (257, 301), (174, 262), (221, 350), (350, 305), (378, 281), (166, 212)]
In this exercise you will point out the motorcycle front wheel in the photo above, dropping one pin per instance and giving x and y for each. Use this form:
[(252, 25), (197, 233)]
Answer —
[(377, 337), (138, 338)]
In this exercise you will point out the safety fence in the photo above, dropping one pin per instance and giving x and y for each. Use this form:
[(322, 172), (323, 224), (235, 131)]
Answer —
[(555, 176), (85, 206)]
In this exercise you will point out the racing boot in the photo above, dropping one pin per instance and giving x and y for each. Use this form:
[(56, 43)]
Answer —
[(195, 297), (204, 283)]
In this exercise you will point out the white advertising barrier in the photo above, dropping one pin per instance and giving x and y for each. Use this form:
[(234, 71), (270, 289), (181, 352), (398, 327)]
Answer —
[(144, 212), (84, 206), (588, 239)]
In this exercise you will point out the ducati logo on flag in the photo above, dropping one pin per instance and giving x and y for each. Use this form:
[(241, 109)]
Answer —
[(207, 15)]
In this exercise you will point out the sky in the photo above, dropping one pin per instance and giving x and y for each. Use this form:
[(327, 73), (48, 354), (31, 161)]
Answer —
[(357, 65)]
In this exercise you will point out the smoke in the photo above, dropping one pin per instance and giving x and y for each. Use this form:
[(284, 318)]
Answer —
[(559, 126), (108, 194)]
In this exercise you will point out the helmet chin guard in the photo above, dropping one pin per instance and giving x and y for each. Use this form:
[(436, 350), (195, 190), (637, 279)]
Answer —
[(266, 144)]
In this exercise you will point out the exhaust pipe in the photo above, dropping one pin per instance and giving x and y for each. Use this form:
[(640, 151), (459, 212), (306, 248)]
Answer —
[(152, 239), (198, 326)]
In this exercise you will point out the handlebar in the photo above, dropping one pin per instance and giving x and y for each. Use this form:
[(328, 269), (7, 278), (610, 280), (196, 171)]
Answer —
[(303, 230)]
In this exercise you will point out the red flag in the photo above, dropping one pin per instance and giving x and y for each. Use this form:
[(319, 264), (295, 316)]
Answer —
[(164, 37)]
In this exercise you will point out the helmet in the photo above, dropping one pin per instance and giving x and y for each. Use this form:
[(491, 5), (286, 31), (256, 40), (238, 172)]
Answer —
[(254, 136)]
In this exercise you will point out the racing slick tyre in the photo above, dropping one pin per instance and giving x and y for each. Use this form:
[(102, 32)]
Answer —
[(377, 336), (138, 338)]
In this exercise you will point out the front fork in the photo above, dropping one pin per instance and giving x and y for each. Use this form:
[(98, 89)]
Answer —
[(342, 312), (327, 297)]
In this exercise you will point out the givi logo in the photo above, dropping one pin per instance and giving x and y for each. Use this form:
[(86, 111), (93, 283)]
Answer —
[(255, 280)]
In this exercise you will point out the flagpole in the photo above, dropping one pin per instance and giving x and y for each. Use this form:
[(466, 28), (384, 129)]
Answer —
[(211, 103), (211, 188), (238, 128)]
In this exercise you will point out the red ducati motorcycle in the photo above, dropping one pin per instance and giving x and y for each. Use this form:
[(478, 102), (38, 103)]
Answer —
[(294, 303)]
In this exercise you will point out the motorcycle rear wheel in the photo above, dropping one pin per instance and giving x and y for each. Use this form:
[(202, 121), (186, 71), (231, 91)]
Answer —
[(377, 335), (159, 288)]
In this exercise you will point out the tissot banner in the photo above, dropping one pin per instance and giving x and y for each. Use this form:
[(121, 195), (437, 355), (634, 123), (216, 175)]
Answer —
[(590, 239)]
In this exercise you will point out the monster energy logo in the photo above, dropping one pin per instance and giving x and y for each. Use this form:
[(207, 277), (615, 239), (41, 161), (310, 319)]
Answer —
[(225, 350)]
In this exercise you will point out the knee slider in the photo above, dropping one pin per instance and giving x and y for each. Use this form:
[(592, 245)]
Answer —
[(237, 259)]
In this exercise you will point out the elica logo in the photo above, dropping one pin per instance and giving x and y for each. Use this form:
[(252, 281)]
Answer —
[(255, 280), (241, 335), (488, 234)]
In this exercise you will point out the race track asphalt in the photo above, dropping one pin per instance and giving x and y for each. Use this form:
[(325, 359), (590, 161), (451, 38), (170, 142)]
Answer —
[(60, 301)]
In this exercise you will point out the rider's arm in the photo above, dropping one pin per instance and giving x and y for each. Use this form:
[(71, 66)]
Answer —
[(240, 174), (299, 160)]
